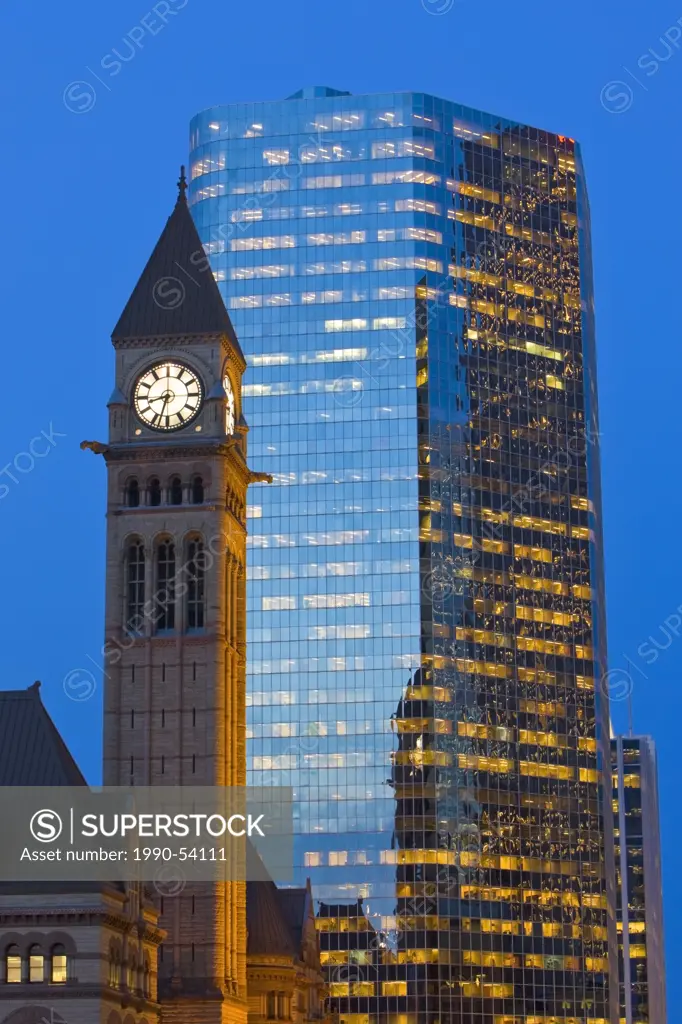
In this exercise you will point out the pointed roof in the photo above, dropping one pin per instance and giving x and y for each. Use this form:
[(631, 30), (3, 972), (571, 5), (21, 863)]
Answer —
[(177, 293), (296, 908), (32, 753), (268, 933)]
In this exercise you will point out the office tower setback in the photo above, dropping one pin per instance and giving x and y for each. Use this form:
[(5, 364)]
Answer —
[(641, 955), (410, 282)]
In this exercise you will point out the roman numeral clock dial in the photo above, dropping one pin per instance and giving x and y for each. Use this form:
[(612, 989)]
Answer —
[(168, 396)]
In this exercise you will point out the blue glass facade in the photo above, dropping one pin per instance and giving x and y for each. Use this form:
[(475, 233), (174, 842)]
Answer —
[(410, 282)]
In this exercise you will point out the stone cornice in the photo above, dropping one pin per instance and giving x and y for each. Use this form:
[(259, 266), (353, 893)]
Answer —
[(144, 930), (147, 450), (158, 510), (196, 447), (49, 916), (172, 342)]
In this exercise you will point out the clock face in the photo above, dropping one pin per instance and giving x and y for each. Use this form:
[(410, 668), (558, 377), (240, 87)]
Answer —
[(229, 412), (168, 396)]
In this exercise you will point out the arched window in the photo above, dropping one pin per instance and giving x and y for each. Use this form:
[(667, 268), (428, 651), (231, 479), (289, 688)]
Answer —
[(13, 965), (59, 972), (118, 976), (132, 973), (113, 982), (165, 592), (36, 965), (154, 491), (175, 491), (133, 494), (135, 573), (197, 491), (195, 584)]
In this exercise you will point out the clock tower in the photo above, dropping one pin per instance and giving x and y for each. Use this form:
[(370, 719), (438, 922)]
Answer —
[(175, 649)]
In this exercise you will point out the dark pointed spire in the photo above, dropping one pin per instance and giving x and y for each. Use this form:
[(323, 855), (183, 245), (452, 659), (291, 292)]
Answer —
[(177, 293), (182, 185)]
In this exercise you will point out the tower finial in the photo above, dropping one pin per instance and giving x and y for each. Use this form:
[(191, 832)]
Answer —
[(182, 184)]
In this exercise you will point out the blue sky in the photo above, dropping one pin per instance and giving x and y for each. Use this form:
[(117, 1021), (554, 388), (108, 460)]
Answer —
[(91, 147)]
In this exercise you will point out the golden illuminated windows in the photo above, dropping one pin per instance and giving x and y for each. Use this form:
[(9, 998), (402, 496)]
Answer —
[(481, 731), (59, 965), (486, 764), (516, 555), (36, 965), (394, 988), (13, 965)]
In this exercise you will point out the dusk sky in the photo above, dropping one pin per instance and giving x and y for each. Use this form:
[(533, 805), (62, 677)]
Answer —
[(93, 141)]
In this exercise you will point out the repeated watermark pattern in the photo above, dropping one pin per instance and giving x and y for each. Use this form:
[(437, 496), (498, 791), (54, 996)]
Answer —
[(438, 6), (170, 881), (79, 685), (618, 95), (23, 463), (619, 683), (80, 96), (169, 292)]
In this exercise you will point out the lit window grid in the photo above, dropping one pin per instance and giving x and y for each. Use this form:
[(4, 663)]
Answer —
[(367, 450), (639, 904)]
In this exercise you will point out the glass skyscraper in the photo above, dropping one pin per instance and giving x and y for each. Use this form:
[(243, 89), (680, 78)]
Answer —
[(410, 281), (641, 956)]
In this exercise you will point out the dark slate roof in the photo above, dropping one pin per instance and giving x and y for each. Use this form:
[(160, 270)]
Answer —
[(268, 931), (295, 907), (32, 753), (177, 293)]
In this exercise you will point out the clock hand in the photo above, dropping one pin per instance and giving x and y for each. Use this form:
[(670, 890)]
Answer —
[(165, 397)]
